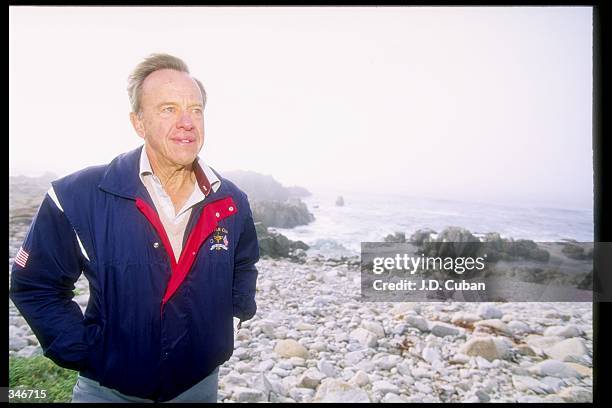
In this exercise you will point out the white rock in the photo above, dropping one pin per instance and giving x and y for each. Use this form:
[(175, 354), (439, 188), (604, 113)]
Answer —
[(354, 357), (17, 343), (518, 327), (364, 337), (483, 363), (243, 367), (301, 394), (30, 351), (374, 327), (360, 379), (459, 358), (423, 387), (392, 397), (431, 354), (334, 390), (418, 322), (464, 318), (327, 368), (523, 383), (483, 346), (244, 394), (488, 311), (319, 346), (571, 350), (553, 382), (384, 387), (297, 361), (304, 326), (341, 337), (264, 366), (401, 309), (310, 379), (540, 343), (576, 394), (441, 329), (419, 372), (495, 324), (290, 348), (387, 362), (285, 364), (553, 368), (234, 379), (563, 331)]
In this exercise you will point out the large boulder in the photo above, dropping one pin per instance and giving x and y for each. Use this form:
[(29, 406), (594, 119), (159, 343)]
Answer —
[(398, 237), (525, 248), (276, 245), (452, 241), (287, 214), (421, 235)]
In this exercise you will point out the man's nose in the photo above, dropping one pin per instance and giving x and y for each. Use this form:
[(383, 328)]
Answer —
[(185, 121)]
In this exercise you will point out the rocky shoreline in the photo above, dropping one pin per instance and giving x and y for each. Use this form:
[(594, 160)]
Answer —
[(313, 339)]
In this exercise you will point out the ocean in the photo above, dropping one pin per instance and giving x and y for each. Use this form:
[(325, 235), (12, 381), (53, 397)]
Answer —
[(339, 231)]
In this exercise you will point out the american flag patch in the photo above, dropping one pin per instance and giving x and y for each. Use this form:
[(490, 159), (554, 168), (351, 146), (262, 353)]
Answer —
[(22, 257)]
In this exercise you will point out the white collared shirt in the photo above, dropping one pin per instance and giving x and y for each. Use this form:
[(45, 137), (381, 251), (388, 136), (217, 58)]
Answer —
[(174, 223)]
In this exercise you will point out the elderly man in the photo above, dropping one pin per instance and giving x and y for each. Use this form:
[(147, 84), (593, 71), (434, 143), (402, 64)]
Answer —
[(168, 247)]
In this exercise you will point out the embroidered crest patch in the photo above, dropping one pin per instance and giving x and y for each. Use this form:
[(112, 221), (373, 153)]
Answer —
[(219, 239)]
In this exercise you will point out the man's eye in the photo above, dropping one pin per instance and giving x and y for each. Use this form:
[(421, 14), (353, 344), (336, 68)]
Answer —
[(168, 109), (197, 111)]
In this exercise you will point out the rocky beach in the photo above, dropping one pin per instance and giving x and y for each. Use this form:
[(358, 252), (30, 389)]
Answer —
[(314, 340)]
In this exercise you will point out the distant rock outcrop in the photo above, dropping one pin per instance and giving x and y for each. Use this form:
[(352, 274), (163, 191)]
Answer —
[(298, 192), (272, 203), (261, 187), (276, 245), (281, 214), (340, 201)]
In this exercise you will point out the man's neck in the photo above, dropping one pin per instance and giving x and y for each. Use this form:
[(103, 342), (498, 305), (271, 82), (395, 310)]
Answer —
[(175, 179)]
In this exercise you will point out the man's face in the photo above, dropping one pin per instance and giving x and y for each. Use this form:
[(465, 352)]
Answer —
[(171, 119)]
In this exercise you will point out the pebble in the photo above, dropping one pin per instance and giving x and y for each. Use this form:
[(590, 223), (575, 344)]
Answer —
[(364, 337), (334, 390), (384, 386), (483, 347), (290, 348), (562, 331), (441, 329), (417, 322), (554, 368), (488, 311)]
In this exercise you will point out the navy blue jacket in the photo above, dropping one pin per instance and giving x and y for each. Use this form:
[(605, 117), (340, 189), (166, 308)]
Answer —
[(153, 327)]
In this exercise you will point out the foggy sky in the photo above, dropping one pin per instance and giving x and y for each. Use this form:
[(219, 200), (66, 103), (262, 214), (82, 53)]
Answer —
[(468, 103)]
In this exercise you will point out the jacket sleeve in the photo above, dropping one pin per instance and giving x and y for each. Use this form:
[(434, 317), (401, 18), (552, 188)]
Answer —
[(42, 288), (245, 272)]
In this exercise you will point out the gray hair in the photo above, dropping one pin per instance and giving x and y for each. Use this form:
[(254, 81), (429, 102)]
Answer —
[(152, 63)]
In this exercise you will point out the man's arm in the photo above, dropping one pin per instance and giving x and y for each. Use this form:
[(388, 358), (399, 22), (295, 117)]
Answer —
[(245, 272), (41, 288)]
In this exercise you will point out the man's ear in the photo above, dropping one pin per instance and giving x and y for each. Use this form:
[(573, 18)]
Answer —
[(137, 123)]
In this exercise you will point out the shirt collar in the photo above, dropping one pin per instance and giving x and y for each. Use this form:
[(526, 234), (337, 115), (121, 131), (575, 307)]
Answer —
[(205, 177)]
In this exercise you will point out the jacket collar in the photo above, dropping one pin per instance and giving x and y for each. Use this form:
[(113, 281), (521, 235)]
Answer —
[(122, 177), (205, 177)]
